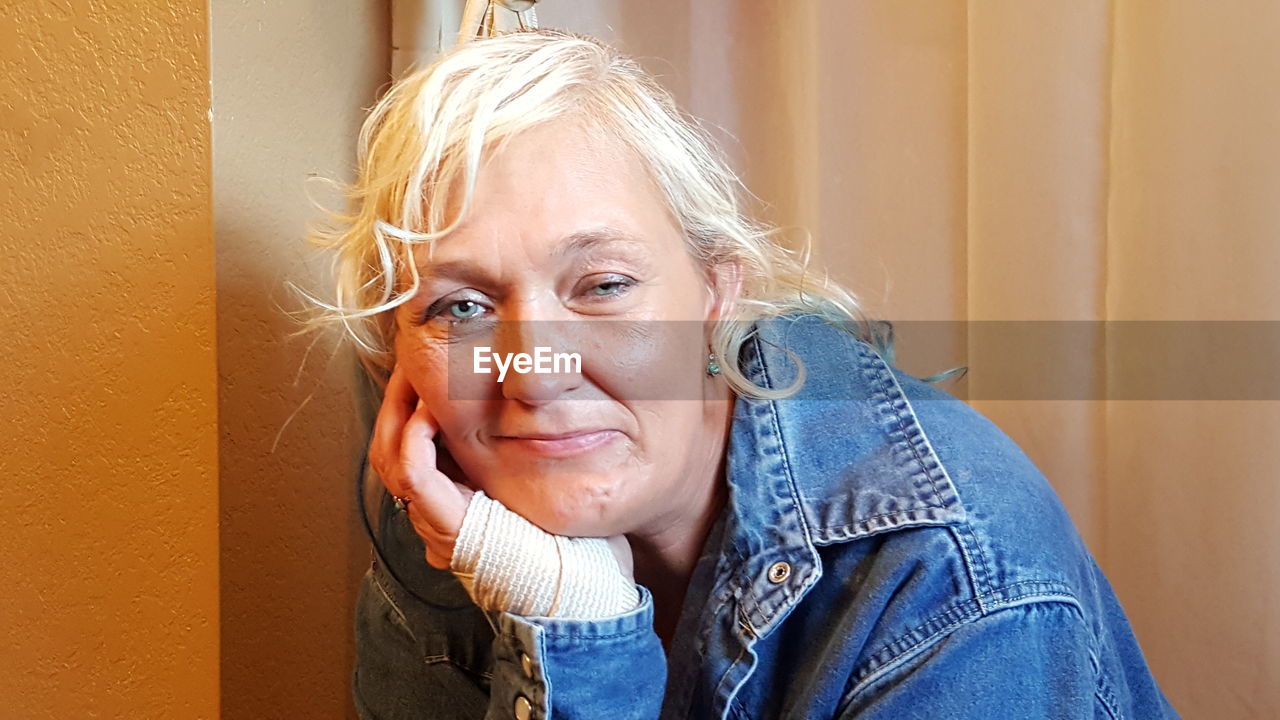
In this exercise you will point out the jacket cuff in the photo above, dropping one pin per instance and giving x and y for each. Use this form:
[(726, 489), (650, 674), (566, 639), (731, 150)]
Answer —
[(611, 667)]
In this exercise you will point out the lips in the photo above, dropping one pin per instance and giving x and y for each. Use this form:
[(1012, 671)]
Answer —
[(552, 436), (561, 444)]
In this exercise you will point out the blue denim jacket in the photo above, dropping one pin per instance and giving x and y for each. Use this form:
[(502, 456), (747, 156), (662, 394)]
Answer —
[(886, 552)]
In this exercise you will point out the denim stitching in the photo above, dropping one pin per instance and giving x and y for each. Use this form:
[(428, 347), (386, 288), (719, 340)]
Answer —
[(743, 620), (967, 529), (875, 668), (980, 591), (1104, 694), (582, 636), (446, 660), (742, 652), (874, 671), (980, 572), (877, 516), (400, 616), (884, 386), (744, 623), (760, 370), (885, 406), (959, 613), (1046, 588), (789, 480)]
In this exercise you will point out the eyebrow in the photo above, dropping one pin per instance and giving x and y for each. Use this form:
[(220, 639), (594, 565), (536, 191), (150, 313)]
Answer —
[(593, 238), (579, 242)]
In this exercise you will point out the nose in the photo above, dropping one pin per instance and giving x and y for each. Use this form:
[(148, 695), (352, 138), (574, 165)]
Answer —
[(546, 350)]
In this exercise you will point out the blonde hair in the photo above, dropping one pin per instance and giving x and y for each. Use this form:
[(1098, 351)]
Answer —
[(438, 122)]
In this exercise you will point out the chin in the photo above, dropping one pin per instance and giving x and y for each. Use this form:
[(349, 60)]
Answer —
[(576, 505)]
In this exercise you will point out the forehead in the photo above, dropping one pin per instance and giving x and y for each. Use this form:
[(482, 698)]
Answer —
[(554, 182)]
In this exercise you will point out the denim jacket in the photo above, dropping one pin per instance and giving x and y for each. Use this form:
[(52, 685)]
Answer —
[(885, 552)]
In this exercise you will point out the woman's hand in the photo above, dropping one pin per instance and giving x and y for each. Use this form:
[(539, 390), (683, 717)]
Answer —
[(403, 453)]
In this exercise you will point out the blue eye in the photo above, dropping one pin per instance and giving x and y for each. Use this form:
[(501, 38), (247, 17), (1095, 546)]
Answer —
[(615, 286), (464, 309), (453, 312)]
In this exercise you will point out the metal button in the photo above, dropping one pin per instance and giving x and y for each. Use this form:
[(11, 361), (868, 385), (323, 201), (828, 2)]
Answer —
[(526, 665), (523, 709), (778, 572)]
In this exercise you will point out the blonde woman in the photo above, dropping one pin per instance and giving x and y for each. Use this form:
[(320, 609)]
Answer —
[(731, 505)]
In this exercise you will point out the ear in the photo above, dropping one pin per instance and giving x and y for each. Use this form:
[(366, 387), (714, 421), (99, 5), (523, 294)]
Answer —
[(724, 287)]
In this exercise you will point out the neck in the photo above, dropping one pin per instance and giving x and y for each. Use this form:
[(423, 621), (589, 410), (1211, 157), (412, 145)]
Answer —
[(665, 560), (666, 553)]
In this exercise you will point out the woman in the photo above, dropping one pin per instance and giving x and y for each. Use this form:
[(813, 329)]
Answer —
[(731, 506)]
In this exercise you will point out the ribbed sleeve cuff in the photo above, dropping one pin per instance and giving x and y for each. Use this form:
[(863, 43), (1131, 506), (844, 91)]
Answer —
[(507, 563)]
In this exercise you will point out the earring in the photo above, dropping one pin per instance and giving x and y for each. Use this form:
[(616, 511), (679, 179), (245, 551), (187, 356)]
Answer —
[(713, 367)]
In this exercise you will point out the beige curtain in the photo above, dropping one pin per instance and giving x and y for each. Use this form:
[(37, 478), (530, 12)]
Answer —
[(1042, 160)]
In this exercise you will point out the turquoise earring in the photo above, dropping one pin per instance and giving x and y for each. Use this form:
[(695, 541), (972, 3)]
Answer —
[(713, 367)]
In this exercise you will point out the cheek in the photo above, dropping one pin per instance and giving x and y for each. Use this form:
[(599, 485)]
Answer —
[(647, 361), (426, 364)]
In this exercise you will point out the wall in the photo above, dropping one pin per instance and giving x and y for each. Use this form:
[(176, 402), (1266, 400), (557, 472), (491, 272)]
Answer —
[(109, 585), (290, 81)]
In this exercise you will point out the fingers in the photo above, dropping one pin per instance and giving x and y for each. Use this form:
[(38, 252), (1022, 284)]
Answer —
[(437, 505), (417, 449), (398, 402), (402, 452), (437, 497)]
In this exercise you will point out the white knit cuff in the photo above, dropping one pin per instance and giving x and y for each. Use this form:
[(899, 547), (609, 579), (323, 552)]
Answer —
[(507, 563)]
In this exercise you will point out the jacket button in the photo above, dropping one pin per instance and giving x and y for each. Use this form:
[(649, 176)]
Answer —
[(523, 709), (526, 665), (778, 572)]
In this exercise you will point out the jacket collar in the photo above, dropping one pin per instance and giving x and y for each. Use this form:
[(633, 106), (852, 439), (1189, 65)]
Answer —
[(842, 458)]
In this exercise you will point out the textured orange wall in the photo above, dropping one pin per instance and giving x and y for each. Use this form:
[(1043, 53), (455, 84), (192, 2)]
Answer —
[(109, 579)]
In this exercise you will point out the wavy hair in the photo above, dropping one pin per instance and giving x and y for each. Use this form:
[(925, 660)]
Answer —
[(436, 125)]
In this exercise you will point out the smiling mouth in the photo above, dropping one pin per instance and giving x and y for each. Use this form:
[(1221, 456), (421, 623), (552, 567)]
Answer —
[(561, 444)]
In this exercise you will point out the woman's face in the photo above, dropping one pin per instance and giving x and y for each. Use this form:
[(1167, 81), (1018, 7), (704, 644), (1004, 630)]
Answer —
[(568, 246)]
